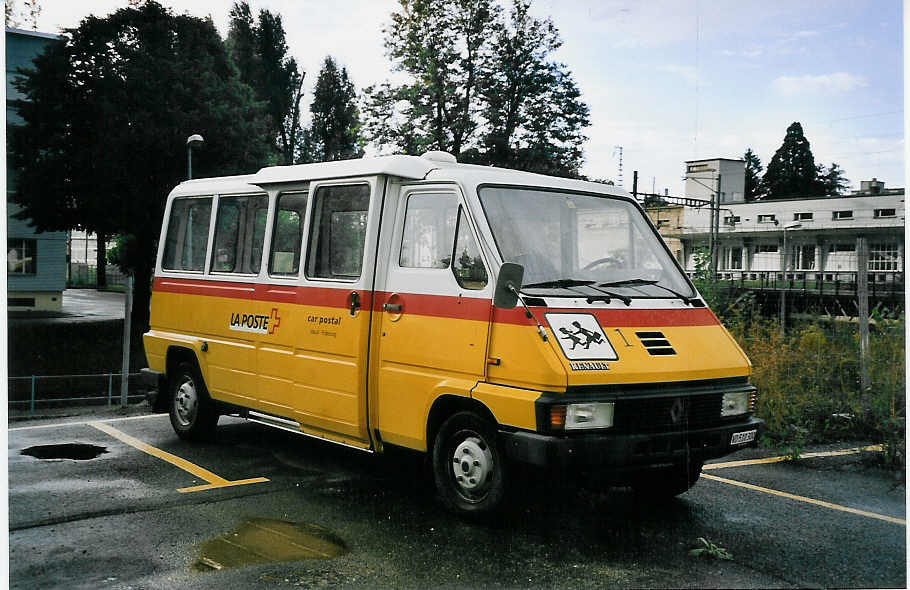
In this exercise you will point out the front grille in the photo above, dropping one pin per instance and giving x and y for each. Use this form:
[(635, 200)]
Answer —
[(667, 413)]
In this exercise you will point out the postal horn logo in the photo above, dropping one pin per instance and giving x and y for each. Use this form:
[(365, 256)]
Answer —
[(581, 338), (255, 323)]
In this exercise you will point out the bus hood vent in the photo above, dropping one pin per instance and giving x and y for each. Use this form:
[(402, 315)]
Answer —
[(656, 343)]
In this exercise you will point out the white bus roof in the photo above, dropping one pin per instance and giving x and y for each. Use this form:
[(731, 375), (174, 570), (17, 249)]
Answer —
[(405, 167)]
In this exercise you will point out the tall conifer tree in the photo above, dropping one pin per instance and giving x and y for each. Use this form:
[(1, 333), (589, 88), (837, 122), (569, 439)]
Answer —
[(791, 172)]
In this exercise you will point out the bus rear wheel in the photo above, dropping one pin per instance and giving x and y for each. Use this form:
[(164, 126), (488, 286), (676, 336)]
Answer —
[(469, 466), (193, 415)]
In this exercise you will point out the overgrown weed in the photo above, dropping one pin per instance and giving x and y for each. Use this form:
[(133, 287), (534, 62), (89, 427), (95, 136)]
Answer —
[(808, 380)]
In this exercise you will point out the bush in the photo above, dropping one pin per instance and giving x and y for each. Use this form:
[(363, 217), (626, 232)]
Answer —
[(808, 380)]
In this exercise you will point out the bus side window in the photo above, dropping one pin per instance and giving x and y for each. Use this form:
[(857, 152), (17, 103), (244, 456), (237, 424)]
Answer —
[(338, 232), (287, 234), (238, 244), (187, 234), (467, 263), (429, 231)]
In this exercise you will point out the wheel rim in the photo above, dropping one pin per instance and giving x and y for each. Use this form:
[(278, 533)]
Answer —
[(186, 402), (472, 468)]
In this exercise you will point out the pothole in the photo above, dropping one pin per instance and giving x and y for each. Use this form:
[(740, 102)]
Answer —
[(77, 451), (263, 540)]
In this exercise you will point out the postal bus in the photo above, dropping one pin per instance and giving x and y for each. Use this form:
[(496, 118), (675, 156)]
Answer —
[(484, 316)]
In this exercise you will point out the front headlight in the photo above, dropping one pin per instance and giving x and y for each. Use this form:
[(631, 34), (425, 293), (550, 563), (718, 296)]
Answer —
[(582, 416), (735, 404)]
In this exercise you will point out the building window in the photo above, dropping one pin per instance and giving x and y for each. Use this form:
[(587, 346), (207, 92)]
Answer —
[(768, 218), (760, 248), (731, 219), (802, 217), (842, 215), (805, 257), (736, 258), (883, 257), (879, 213), (21, 256)]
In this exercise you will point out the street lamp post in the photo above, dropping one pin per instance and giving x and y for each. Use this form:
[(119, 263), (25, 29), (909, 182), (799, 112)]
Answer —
[(783, 290), (191, 141)]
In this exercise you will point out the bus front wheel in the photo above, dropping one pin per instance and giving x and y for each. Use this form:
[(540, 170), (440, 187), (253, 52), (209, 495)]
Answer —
[(193, 415), (468, 465)]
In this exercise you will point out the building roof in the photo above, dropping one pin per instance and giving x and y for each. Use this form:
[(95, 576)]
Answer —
[(28, 33), (715, 159)]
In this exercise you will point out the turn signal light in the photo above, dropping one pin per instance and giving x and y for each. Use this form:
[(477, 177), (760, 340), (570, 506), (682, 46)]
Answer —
[(558, 417)]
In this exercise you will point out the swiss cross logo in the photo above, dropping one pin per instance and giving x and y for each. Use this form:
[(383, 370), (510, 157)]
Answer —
[(255, 322), (274, 320)]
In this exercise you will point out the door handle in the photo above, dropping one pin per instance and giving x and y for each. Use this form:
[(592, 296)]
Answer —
[(355, 302), (396, 307)]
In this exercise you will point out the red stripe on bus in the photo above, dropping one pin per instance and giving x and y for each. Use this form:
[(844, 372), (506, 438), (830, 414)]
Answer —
[(617, 318), (445, 306)]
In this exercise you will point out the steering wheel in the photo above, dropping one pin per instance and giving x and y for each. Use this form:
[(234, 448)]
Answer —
[(611, 260)]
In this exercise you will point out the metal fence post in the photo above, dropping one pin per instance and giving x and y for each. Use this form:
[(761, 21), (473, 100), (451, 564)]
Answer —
[(31, 405)]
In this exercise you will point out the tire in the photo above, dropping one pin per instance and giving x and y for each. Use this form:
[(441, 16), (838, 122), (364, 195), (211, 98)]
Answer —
[(469, 465), (193, 414), (668, 482)]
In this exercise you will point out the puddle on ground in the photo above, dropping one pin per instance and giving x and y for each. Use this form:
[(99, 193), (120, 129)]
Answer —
[(263, 540), (77, 451)]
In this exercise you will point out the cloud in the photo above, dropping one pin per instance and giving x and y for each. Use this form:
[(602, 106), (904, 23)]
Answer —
[(747, 53), (688, 73), (827, 83)]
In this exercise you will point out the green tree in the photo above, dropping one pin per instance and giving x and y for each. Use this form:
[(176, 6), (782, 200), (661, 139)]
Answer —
[(334, 133), (259, 50), (440, 45), (482, 87), (833, 180), (791, 171), (533, 108), (754, 169), (107, 111)]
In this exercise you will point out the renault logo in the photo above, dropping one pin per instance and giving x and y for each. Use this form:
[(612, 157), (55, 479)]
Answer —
[(677, 410)]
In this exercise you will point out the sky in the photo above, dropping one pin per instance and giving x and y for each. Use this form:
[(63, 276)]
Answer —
[(668, 80)]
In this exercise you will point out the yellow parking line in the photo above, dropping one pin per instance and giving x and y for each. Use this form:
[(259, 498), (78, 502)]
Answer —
[(214, 481), (749, 486), (854, 451)]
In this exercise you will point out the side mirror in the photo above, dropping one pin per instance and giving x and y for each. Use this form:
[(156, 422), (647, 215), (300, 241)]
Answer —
[(507, 285)]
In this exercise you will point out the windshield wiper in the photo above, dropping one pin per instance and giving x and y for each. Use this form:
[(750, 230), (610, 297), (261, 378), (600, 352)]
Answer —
[(630, 282), (570, 283), (560, 284)]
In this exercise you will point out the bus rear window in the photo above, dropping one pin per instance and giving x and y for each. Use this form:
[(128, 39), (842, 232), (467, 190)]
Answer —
[(187, 234)]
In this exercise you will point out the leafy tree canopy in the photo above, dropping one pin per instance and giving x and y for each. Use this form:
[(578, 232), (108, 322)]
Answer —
[(482, 87), (107, 111), (833, 181), (334, 133), (259, 50)]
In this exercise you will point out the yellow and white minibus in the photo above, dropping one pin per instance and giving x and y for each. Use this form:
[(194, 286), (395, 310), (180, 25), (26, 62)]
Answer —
[(484, 316)]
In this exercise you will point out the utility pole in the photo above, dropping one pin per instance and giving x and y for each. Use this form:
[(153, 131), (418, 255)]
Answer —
[(862, 296), (715, 228)]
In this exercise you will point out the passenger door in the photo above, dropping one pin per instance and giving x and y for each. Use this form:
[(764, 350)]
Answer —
[(434, 297), (315, 371)]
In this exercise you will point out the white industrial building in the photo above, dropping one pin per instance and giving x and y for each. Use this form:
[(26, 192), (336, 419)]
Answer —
[(821, 231)]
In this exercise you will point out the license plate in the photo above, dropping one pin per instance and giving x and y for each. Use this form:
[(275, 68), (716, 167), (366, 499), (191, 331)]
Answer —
[(743, 437)]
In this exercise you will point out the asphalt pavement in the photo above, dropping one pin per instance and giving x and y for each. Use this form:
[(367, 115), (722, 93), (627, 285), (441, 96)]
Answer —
[(147, 511)]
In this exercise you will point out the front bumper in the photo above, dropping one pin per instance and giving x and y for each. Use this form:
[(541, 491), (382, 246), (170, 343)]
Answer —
[(625, 452)]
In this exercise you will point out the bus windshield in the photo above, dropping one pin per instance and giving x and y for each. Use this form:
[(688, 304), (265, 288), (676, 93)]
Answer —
[(575, 243)]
